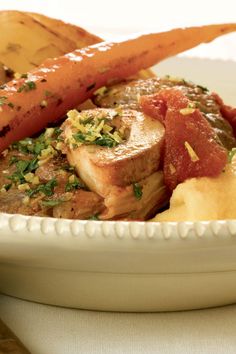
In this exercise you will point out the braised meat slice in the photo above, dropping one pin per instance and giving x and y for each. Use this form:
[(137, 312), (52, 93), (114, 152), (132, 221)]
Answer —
[(135, 157)]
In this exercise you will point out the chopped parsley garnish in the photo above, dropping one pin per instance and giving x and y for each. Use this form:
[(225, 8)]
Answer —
[(13, 160), (25, 146), (203, 88), (68, 167), (94, 217), (26, 166), (27, 86), (32, 166), (22, 168), (46, 188), (57, 132), (47, 93), (30, 85), (103, 140), (231, 155), (93, 130), (87, 120), (106, 140), (33, 146), (101, 91), (52, 203), (80, 137), (75, 184), (7, 186), (138, 193), (38, 147), (2, 100)]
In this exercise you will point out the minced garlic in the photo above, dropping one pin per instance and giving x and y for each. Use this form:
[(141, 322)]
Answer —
[(72, 179), (186, 111), (49, 133), (35, 180), (191, 152), (29, 177), (43, 103), (5, 152), (101, 91), (90, 128), (23, 187), (26, 200), (172, 168), (46, 155)]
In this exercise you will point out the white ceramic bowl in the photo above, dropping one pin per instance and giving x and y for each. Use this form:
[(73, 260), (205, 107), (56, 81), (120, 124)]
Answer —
[(118, 266), (125, 266)]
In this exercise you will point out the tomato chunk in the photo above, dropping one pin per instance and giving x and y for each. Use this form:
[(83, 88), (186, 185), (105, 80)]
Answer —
[(191, 147), (154, 106)]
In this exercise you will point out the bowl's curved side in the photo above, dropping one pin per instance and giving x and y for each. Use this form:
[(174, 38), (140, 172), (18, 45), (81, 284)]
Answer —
[(119, 292)]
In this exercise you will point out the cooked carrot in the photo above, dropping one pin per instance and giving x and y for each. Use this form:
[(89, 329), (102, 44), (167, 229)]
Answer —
[(46, 93)]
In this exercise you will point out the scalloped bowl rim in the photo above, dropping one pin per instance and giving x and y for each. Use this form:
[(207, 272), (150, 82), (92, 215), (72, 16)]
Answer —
[(48, 226)]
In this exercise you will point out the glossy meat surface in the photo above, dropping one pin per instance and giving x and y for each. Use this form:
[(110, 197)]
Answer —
[(127, 95)]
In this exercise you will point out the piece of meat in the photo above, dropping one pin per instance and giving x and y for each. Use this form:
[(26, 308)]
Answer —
[(128, 95), (75, 204), (228, 112), (12, 202), (121, 202), (82, 205), (130, 161)]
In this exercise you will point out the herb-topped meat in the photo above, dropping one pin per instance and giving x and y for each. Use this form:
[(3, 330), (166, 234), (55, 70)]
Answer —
[(127, 95), (36, 179), (108, 149), (117, 153)]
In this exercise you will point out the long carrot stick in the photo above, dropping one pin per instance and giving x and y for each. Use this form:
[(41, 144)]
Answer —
[(30, 103)]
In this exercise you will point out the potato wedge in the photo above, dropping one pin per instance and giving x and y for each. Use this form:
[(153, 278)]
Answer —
[(28, 39), (78, 35)]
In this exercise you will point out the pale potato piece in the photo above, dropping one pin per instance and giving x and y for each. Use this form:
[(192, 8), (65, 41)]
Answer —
[(26, 41), (203, 199), (78, 35)]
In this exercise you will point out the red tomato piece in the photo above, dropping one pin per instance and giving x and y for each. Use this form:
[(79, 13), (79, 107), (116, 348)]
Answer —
[(191, 149), (153, 106)]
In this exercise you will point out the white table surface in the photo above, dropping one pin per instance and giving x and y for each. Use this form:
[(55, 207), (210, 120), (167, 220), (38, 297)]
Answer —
[(51, 330)]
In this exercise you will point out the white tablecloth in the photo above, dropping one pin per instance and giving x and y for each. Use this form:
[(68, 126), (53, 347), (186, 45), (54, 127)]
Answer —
[(50, 330)]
